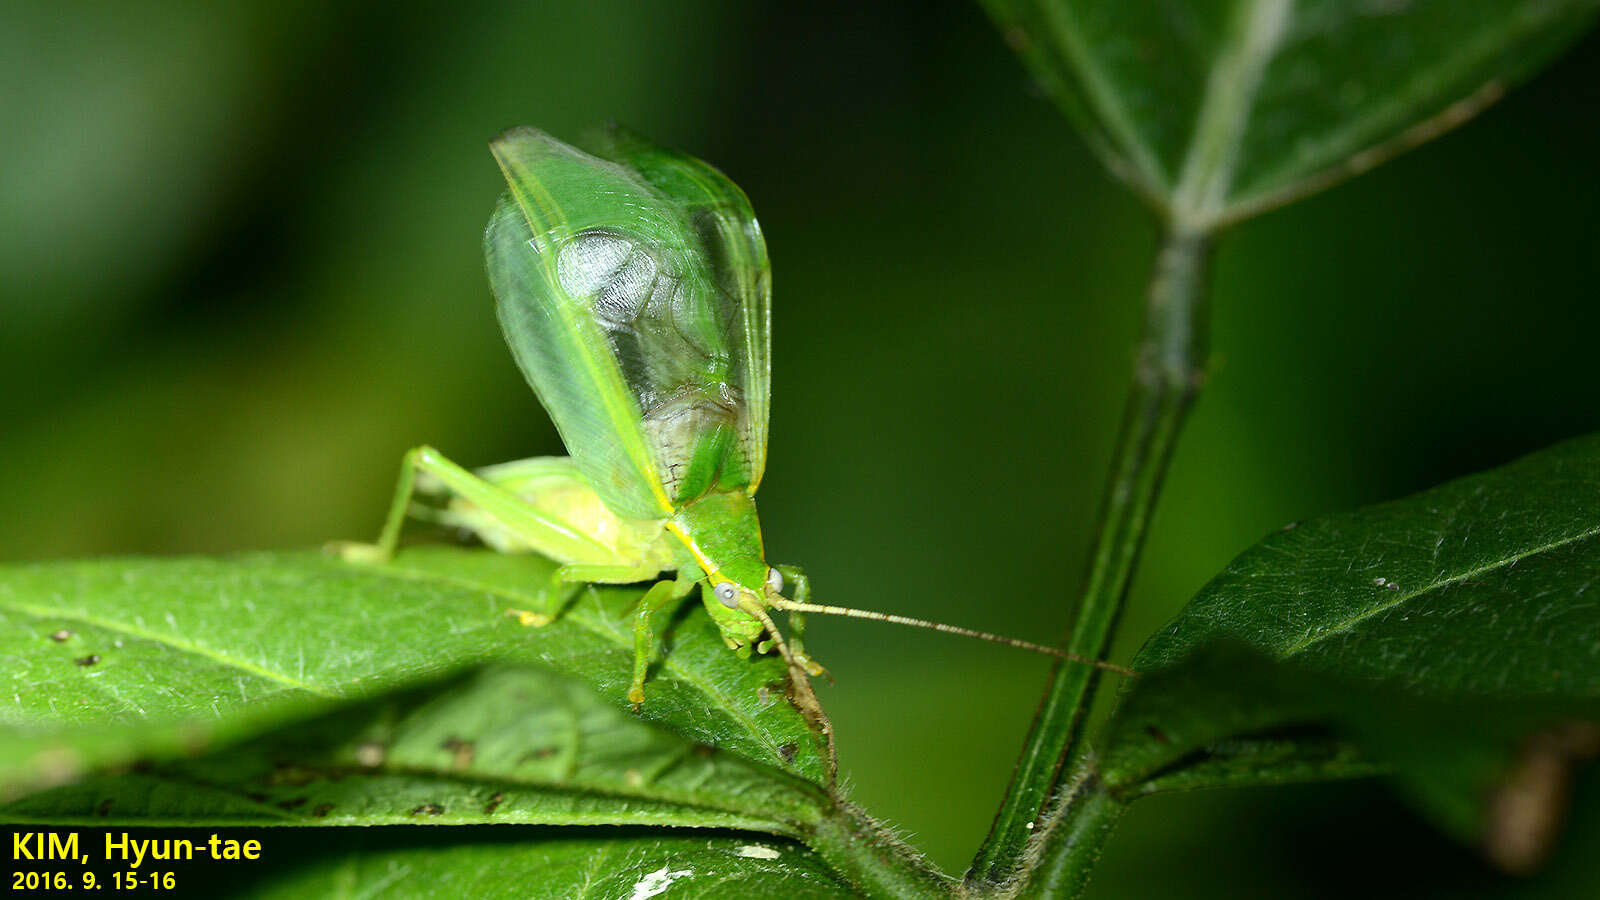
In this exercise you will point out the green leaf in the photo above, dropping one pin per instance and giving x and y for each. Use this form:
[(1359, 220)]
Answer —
[(1216, 111), (1257, 760), (1437, 632), (112, 661), (506, 744), (610, 863)]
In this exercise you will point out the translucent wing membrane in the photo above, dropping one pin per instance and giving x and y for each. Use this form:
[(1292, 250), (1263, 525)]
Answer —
[(633, 292), (726, 227)]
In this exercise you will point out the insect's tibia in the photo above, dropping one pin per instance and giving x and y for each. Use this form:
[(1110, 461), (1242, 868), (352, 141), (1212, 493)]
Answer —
[(787, 604)]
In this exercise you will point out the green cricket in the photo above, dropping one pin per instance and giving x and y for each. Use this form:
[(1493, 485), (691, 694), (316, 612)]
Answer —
[(633, 288)]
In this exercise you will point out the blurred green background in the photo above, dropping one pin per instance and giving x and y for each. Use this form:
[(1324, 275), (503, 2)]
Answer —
[(240, 275)]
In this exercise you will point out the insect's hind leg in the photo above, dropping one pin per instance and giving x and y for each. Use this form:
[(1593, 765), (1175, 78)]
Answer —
[(500, 504), (383, 549), (538, 531), (797, 620)]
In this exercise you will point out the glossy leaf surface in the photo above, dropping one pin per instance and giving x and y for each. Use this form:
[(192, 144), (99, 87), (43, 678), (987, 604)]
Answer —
[(123, 659), (506, 745), (1438, 631)]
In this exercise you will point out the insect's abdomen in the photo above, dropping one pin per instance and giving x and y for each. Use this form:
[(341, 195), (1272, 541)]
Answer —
[(555, 487), (696, 431)]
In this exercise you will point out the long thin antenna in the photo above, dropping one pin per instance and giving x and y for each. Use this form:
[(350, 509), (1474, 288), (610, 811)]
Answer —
[(785, 603)]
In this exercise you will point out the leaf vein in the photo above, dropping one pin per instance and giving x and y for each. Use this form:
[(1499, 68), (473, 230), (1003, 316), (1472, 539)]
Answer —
[(172, 641), (707, 688), (1507, 562)]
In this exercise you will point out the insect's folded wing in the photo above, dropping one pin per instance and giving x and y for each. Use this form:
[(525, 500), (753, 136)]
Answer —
[(633, 294), (561, 345), (736, 254)]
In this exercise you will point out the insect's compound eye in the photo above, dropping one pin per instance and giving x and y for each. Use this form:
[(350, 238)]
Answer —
[(775, 581), (728, 594)]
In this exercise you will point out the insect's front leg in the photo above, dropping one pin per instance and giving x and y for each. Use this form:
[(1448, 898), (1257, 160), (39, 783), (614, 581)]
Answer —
[(662, 595), (568, 581), (797, 620)]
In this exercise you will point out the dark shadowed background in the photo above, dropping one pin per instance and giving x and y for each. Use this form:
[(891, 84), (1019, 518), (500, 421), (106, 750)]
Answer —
[(240, 274)]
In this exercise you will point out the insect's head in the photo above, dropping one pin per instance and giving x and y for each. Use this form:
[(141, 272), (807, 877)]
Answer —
[(729, 601), (731, 593)]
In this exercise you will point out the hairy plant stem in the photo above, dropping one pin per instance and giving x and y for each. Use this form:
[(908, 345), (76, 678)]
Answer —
[(1166, 379), (1076, 829), (874, 861)]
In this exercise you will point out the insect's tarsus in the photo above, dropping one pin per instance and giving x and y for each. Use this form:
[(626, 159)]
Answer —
[(847, 612)]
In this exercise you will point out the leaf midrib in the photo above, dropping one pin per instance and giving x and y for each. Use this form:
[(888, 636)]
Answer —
[(1403, 598), (1223, 118), (172, 641), (776, 822), (1355, 139)]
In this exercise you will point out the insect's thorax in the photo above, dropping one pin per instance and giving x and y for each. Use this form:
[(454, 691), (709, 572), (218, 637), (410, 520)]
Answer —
[(721, 533)]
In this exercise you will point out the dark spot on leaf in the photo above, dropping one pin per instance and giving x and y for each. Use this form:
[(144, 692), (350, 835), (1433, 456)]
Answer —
[(291, 774), (89, 660), (704, 751), (428, 809), (292, 803), (788, 751), (61, 636), (461, 752), (1017, 39), (104, 809), (494, 803), (1156, 733), (257, 797), (540, 753), (768, 692), (322, 810)]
